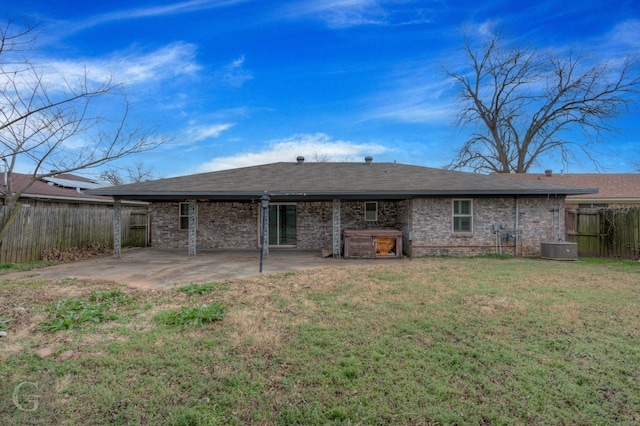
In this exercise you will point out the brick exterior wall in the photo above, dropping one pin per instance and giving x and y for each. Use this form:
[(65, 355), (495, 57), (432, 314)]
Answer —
[(426, 224), (314, 225), (235, 225), (315, 220), (220, 225), (540, 219)]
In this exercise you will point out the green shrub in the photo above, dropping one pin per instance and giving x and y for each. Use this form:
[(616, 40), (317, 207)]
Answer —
[(25, 266), (4, 323), (108, 297), (198, 288), (196, 316), (68, 314)]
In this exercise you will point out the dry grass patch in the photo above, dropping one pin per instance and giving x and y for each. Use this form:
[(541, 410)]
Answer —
[(490, 305)]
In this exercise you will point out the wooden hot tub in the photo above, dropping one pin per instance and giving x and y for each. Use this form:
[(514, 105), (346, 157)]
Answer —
[(372, 243)]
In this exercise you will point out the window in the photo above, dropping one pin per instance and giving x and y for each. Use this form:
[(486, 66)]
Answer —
[(371, 211), (184, 216), (462, 216)]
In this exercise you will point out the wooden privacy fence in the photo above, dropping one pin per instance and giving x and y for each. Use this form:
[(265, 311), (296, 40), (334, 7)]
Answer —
[(610, 232), (36, 229)]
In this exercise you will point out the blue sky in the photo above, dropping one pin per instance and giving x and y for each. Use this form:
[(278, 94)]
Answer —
[(240, 82)]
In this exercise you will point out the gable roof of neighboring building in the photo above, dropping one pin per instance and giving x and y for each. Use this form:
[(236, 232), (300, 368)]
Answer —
[(61, 188), (284, 181), (613, 188)]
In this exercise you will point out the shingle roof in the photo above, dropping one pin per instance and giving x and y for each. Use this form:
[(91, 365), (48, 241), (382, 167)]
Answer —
[(41, 190), (331, 180), (612, 187)]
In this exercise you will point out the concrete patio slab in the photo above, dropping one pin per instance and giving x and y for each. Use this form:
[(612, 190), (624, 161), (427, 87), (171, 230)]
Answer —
[(161, 268)]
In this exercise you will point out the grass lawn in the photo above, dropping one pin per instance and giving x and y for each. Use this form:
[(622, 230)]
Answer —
[(429, 341)]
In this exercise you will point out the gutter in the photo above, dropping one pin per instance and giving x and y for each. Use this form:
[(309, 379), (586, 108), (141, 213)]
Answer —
[(595, 200), (250, 195), (77, 200)]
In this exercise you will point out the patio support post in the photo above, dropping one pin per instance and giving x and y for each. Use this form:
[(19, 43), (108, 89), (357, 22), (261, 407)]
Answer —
[(192, 226), (336, 228), (117, 228), (264, 243)]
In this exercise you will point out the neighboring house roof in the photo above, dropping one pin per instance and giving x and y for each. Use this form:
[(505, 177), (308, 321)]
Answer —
[(284, 181), (71, 181), (63, 187), (613, 188)]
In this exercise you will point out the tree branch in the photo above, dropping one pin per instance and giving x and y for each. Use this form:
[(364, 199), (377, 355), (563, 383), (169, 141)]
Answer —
[(520, 100)]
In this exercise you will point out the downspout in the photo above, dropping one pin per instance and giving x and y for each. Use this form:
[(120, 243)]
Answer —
[(517, 239)]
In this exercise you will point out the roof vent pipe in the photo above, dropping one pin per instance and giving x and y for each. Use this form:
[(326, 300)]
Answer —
[(368, 159), (300, 159), (548, 173)]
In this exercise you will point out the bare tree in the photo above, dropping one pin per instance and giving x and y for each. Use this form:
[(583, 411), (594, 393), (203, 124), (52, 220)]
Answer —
[(521, 104), (112, 176), (55, 124), (130, 174)]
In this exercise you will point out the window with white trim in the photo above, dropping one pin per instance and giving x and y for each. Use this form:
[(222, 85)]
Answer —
[(462, 216), (183, 216), (371, 211)]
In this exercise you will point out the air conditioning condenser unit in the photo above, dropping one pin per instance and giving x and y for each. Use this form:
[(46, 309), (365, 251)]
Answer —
[(559, 250)]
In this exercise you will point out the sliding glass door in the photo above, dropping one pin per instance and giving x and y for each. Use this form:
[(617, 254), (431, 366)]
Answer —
[(282, 225)]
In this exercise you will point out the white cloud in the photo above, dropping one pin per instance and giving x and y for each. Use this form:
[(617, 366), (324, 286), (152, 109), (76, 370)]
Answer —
[(131, 67), (337, 13), (626, 34), (416, 93), (167, 62), (198, 133), (234, 74), (487, 28), (350, 13), (188, 6), (416, 112), (311, 146), (194, 133)]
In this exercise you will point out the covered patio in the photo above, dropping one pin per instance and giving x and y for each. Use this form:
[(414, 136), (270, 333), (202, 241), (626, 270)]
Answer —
[(162, 268)]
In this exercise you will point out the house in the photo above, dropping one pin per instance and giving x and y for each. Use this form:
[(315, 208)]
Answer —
[(311, 205), (57, 213), (614, 189), (63, 189)]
